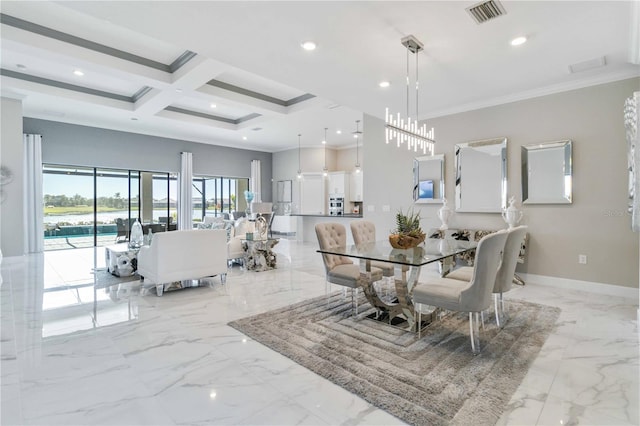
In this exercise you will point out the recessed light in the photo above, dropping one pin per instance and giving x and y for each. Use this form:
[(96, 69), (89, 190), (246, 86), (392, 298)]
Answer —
[(213, 105), (21, 66), (244, 138), (134, 119), (79, 73), (339, 132), (308, 45), (384, 84), (518, 41), (179, 90)]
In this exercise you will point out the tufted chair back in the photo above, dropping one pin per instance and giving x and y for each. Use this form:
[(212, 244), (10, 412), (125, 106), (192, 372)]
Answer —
[(363, 231), (332, 235)]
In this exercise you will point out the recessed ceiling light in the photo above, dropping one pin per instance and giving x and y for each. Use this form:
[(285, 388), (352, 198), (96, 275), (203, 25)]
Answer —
[(339, 132), (21, 66), (308, 45), (518, 41), (384, 84), (179, 90), (244, 138), (134, 119), (213, 105), (79, 73)]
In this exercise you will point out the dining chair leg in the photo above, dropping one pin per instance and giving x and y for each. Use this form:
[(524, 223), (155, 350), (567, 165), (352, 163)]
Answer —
[(327, 291), (501, 313), (474, 332), (419, 322), (354, 301)]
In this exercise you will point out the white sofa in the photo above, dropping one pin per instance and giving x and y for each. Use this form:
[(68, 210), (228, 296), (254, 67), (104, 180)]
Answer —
[(183, 255)]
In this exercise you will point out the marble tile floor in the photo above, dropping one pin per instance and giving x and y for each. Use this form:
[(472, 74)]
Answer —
[(72, 357)]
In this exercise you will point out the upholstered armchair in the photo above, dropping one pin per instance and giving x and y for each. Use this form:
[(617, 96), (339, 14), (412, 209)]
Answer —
[(466, 296), (507, 270), (340, 270)]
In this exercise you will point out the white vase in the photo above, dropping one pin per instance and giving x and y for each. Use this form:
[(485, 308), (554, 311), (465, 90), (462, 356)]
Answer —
[(444, 214), (512, 215), (136, 239)]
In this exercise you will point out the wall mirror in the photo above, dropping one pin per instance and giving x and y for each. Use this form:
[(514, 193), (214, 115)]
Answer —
[(428, 179), (481, 176), (546, 173), (283, 191)]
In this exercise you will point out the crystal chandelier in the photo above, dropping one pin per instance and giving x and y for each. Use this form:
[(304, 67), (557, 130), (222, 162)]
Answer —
[(407, 131)]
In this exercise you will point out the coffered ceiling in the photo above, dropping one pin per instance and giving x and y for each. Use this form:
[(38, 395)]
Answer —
[(234, 73)]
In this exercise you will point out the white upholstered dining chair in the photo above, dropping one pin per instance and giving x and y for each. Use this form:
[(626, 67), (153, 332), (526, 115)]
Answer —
[(466, 296), (340, 270), (506, 272)]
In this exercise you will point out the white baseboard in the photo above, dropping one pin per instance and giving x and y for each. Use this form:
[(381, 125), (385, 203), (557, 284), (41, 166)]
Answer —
[(593, 287)]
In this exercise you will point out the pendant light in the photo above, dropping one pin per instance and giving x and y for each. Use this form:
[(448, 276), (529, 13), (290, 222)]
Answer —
[(325, 171), (299, 167), (357, 134), (397, 129)]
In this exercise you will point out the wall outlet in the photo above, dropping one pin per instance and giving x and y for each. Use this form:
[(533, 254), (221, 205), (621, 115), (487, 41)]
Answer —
[(386, 208), (371, 208), (582, 259)]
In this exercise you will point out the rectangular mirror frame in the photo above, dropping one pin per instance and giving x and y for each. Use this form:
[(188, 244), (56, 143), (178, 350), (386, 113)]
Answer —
[(500, 183), (564, 186), (416, 179)]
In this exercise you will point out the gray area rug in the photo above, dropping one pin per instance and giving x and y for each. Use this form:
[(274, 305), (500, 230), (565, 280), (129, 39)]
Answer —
[(429, 381)]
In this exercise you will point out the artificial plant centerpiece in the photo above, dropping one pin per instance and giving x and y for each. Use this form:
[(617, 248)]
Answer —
[(407, 233)]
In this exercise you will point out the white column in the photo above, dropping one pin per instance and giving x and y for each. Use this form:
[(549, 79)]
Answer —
[(34, 214), (185, 201)]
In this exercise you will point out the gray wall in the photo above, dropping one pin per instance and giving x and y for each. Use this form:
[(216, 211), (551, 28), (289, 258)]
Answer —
[(89, 146), (596, 224), (11, 156)]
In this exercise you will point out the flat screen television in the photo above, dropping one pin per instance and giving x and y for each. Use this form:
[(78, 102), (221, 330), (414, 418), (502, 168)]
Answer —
[(425, 189)]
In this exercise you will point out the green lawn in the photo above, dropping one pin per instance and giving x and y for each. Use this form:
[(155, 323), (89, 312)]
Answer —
[(50, 210)]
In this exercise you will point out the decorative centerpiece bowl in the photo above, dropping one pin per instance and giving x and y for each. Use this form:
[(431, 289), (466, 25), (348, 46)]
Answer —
[(408, 233)]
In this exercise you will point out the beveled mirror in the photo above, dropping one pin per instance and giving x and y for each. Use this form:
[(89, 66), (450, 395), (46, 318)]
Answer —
[(546, 173), (428, 179), (481, 176)]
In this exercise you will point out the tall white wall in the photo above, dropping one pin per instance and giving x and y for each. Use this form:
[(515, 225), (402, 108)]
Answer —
[(596, 224), (11, 156)]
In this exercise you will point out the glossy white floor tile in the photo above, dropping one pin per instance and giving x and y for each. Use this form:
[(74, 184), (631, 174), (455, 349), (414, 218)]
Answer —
[(74, 357)]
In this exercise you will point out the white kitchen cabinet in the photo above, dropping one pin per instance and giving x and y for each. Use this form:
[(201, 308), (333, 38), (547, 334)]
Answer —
[(356, 188), (312, 194), (338, 183)]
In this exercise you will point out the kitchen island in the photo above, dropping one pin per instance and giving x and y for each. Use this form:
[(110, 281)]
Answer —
[(306, 230)]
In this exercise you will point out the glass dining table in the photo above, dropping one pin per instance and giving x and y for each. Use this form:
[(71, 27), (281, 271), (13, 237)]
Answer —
[(399, 311)]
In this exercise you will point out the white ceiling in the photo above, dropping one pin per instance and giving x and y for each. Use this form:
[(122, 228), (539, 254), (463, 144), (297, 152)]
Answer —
[(253, 50)]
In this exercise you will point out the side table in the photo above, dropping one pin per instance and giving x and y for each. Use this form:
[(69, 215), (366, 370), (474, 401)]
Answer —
[(121, 260), (258, 254)]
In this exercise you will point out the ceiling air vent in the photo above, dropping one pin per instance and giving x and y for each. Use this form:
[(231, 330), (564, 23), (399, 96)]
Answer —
[(485, 11)]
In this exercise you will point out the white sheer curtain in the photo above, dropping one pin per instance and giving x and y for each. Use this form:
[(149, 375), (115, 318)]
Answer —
[(255, 183), (34, 213), (185, 201)]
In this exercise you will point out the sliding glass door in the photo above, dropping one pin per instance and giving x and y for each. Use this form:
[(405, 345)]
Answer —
[(93, 207)]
